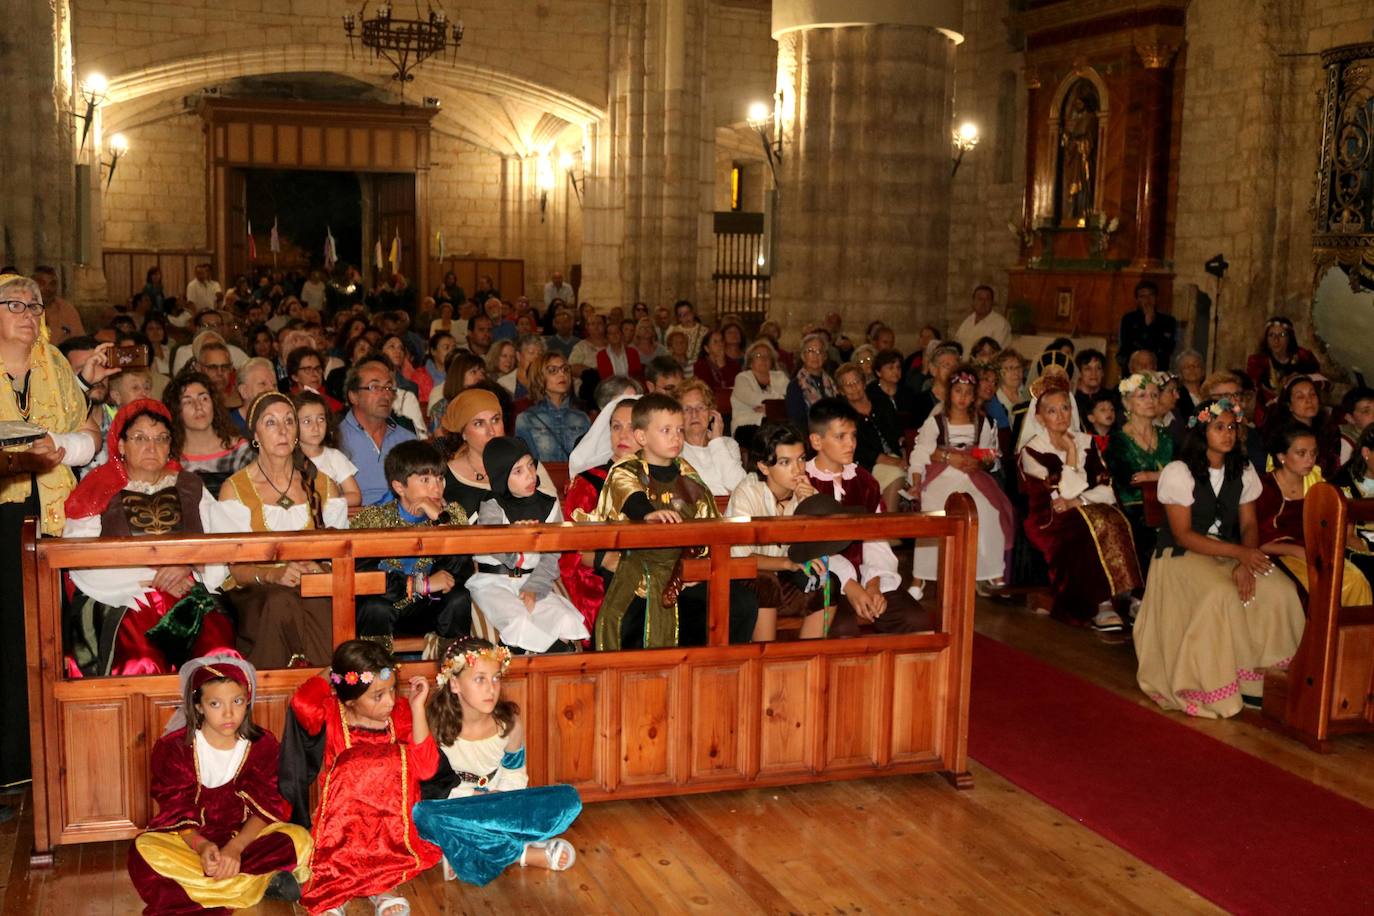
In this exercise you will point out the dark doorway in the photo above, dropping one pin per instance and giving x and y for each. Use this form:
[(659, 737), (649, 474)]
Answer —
[(305, 205)]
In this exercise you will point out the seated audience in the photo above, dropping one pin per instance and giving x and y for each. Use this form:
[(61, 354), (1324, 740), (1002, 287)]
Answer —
[(886, 386), (691, 328), (1213, 617), (1100, 420), (319, 436), (956, 451), (616, 358), (1191, 370), (368, 430), (279, 490), (305, 369), (713, 366), (1356, 480), (663, 375), (735, 339), (203, 436), (1349, 421), (942, 362), (133, 619), (678, 349), (409, 395), (1073, 520), (562, 341), (517, 382), (423, 594), (257, 376), (812, 382), (1136, 453), (706, 447), (1091, 374), (1232, 386), (760, 380), (771, 331), (645, 343), (551, 425), (471, 420), (500, 360), (988, 380), (1279, 358), (516, 590), (1011, 383), (871, 587), (1299, 402), (879, 439)]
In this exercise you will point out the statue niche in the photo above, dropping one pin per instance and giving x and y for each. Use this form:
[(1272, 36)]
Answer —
[(1075, 189)]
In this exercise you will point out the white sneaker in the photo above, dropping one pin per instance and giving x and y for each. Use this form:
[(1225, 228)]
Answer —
[(917, 592), (1107, 620)]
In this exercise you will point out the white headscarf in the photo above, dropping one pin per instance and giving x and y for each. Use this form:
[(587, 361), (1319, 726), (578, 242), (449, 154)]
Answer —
[(1032, 427), (595, 448), (179, 719)]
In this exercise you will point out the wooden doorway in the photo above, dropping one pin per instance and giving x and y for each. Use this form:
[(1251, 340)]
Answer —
[(392, 207)]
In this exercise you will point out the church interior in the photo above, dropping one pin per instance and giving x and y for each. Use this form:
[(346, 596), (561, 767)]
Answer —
[(846, 166)]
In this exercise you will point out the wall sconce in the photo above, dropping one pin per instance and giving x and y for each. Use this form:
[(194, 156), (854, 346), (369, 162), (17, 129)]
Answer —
[(119, 145), (965, 139), (94, 89), (543, 176), (764, 121), (567, 162)]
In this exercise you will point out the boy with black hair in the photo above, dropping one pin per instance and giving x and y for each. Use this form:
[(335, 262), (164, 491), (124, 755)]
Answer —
[(662, 376), (656, 485), (423, 594), (874, 594)]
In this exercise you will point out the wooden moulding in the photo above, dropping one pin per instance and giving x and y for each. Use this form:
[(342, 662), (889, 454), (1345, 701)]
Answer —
[(627, 724)]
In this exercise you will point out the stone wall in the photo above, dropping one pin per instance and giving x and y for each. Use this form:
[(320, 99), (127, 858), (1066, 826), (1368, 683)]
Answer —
[(157, 198), (465, 198)]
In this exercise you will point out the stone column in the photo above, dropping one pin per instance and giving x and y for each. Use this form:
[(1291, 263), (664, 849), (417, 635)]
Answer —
[(862, 218), (37, 178)]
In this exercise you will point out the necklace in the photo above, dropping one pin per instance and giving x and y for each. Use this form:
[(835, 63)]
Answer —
[(476, 474), (284, 501)]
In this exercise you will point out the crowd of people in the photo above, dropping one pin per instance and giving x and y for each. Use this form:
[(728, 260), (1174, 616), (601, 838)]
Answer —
[(289, 403)]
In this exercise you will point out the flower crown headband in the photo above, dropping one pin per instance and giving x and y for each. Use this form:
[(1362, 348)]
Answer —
[(1134, 383), (360, 677), (963, 377), (455, 664), (1214, 410)]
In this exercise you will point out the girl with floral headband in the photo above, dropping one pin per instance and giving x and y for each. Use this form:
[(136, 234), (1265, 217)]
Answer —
[(477, 807), (372, 751)]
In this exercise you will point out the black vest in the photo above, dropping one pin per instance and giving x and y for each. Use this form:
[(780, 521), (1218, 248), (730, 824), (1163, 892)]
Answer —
[(1208, 508)]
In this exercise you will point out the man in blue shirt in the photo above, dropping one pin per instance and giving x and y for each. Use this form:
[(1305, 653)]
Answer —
[(367, 432)]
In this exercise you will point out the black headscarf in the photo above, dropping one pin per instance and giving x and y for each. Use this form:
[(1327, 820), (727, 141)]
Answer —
[(499, 458)]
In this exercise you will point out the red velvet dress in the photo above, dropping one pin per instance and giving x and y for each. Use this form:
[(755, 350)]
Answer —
[(218, 814), (365, 839), (585, 587)]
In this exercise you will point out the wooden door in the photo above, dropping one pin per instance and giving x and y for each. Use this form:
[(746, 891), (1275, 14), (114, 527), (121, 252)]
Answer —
[(235, 228), (393, 203)]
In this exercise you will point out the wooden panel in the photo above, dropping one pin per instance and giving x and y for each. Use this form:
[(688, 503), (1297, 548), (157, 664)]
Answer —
[(1350, 686), (648, 727), (407, 149), (239, 146), (787, 729), (383, 148), (288, 144), (719, 721), (96, 739), (119, 273), (917, 725), (511, 281), (312, 145), (851, 712), (359, 148), (335, 147), (264, 149), (575, 755)]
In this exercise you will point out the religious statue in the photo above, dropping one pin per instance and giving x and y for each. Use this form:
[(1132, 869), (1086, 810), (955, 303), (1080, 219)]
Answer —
[(1078, 154)]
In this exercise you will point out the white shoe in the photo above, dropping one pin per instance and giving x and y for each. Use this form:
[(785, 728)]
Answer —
[(1107, 620), (917, 591)]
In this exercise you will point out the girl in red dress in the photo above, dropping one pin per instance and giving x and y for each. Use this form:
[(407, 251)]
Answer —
[(220, 840), (375, 753)]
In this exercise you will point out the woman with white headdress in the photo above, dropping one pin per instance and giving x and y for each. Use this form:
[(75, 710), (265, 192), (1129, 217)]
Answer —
[(610, 439), (1072, 516)]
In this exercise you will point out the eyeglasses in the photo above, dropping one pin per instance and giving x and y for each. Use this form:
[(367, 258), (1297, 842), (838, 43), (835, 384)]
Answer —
[(812, 351), (17, 306), (558, 369), (143, 441), (313, 367), (374, 388), (695, 408)]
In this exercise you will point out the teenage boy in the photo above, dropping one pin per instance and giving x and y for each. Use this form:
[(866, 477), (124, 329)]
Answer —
[(875, 595), (423, 594), (646, 603)]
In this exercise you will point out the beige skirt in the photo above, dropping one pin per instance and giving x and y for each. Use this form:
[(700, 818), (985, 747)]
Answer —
[(1199, 648)]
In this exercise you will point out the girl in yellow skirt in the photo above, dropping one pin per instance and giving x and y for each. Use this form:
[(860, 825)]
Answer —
[(220, 840)]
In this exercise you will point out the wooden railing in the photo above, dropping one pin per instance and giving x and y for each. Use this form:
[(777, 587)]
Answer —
[(1328, 688), (613, 724)]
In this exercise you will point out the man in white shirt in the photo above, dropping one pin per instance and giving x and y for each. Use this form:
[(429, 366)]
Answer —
[(557, 289), (203, 293), (313, 291), (983, 322)]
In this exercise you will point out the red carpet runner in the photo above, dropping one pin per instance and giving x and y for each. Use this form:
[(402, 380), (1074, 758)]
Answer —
[(1242, 833)]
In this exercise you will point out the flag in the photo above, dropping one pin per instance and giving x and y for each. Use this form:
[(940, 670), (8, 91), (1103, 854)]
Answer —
[(331, 253), (377, 255), (275, 244), (439, 243), (395, 256), (252, 245)]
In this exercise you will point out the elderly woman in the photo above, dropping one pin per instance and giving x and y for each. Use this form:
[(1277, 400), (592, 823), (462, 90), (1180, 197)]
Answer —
[(280, 490), (39, 388), (714, 455), (812, 382), (132, 619), (203, 436), (761, 380), (551, 425), (879, 446)]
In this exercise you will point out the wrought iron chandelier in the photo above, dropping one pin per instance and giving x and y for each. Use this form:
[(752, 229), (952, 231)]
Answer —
[(404, 43)]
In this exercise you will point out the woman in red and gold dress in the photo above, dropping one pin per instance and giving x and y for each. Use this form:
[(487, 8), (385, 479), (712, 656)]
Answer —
[(220, 840), (373, 753)]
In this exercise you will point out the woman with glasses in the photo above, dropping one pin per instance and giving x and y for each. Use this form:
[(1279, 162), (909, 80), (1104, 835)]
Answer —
[(137, 620), (705, 446), (812, 382), (279, 490), (760, 380), (551, 425), (39, 388)]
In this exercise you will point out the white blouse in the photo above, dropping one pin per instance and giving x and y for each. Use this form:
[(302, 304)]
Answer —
[(217, 767), (960, 437), (748, 394), (717, 463), (480, 758), (335, 465), (1073, 480), (1176, 486)]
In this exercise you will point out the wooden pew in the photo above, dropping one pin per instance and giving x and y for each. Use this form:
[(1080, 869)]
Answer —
[(629, 724), (1328, 688)]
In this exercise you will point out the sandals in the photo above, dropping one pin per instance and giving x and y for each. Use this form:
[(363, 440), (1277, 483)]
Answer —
[(554, 850), (389, 904)]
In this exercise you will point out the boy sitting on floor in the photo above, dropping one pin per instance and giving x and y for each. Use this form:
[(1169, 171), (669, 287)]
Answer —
[(423, 594), (646, 603), (876, 595)]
